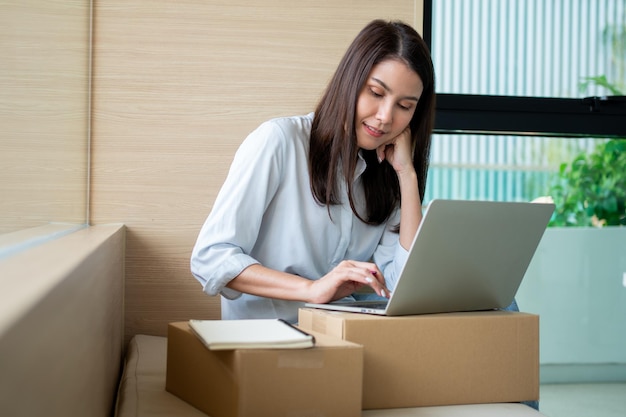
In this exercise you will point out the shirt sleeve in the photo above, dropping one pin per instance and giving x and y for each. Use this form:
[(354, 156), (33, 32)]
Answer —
[(231, 229), (390, 256)]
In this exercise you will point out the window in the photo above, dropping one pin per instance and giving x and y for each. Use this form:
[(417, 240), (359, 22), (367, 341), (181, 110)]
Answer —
[(511, 99)]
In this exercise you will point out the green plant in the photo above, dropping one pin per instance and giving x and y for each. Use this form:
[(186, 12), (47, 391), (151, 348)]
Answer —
[(591, 189), (599, 81)]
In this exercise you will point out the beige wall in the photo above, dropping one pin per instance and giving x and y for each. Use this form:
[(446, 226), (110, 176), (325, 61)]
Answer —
[(177, 87), (44, 86)]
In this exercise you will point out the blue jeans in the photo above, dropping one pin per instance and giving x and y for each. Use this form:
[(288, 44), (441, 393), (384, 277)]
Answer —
[(512, 307)]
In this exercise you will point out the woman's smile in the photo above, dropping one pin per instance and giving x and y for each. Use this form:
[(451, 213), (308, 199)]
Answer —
[(373, 131)]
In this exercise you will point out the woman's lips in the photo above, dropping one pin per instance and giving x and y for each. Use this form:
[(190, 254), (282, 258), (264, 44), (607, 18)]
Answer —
[(372, 131)]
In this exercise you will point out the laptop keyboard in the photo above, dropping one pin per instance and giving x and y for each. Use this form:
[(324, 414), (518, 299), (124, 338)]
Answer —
[(378, 305)]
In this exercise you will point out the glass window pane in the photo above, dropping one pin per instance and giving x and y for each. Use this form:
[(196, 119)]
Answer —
[(534, 48), (499, 168)]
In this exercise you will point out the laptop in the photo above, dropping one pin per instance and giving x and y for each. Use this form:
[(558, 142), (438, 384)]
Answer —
[(466, 256)]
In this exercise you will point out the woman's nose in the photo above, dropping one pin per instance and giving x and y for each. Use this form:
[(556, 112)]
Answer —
[(385, 113)]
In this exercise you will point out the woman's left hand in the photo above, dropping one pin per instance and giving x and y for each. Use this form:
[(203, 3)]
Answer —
[(398, 152)]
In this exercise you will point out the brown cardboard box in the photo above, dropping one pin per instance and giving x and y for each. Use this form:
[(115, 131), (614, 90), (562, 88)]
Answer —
[(325, 380), (439, 359)]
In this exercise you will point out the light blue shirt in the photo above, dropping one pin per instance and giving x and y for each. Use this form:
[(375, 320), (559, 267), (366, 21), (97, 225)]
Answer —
[(265, 213)]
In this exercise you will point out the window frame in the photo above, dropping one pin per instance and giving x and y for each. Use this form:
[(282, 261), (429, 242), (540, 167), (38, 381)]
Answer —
[(526, 116)]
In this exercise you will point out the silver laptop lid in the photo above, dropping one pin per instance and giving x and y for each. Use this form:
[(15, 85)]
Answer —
[(469, 255)]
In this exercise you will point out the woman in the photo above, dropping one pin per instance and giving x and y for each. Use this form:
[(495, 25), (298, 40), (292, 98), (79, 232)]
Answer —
[(310, 210)]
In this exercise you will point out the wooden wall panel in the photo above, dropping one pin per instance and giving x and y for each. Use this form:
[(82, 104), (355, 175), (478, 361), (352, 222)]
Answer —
[(177, 87), (44, 86)]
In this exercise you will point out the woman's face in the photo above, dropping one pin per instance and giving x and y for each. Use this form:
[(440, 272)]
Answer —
[(386, 103)]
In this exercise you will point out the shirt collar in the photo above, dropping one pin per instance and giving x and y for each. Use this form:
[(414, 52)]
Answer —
[(360, 165)]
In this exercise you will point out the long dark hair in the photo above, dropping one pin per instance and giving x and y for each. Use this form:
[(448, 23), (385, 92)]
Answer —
[(334, 151)]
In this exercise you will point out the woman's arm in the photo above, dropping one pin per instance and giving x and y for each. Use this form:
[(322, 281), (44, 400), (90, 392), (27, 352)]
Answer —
[(411, 207), (343, 280), (399, 154)]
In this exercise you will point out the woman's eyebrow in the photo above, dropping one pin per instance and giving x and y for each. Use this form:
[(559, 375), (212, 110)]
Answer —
[(386, 87)]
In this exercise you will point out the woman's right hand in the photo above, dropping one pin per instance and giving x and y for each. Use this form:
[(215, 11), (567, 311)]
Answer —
[(345, 279)]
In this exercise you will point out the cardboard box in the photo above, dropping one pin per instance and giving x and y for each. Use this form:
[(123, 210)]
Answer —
[(439, 359), (325, 380)]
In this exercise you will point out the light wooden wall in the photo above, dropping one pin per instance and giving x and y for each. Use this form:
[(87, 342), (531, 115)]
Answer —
[(177, 87), (44, 62)]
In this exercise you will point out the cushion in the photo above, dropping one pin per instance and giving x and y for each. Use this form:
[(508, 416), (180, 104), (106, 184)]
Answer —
[(141, 391)]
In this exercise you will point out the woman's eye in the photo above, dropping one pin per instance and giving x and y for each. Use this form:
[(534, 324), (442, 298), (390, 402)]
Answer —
[(375, 93), (404, 107)]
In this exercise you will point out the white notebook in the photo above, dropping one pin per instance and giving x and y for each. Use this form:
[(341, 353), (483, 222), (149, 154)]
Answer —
[(250, 334)]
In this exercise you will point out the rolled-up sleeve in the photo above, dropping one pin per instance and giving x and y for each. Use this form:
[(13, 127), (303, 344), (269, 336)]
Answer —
[(230, 231)]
